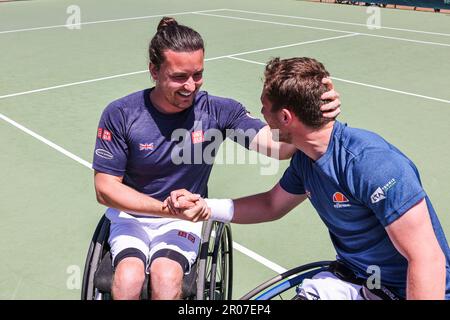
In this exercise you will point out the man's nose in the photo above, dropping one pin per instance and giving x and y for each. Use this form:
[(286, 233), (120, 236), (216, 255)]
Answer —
[(189, 84)]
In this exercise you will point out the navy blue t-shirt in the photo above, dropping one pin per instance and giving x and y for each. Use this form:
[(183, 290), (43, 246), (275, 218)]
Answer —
[(157, 153), (359, 186)]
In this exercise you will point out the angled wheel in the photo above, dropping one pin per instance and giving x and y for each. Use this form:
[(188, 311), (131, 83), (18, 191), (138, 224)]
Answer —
[(275, 288), (215, 274), (98, 248)]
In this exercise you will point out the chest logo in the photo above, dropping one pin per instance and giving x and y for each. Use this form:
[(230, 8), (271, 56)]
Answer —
[(340, 201), (198, 136), (146, 146)]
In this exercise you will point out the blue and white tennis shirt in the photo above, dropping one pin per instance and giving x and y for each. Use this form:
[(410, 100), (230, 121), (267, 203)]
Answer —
[(359, 186), (157, 153)]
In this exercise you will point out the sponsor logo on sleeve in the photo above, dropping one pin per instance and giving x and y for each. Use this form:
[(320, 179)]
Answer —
[(377, 196), (380, 193), (105, 154), (106, 135)]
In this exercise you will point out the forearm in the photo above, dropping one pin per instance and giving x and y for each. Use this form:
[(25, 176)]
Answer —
[(121, 197), (264, 143), (426, 279), (254, 209)]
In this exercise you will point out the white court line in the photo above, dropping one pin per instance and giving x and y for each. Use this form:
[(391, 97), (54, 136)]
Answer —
[(144, 71), (285, 46), (107, 21), (69, 154), (326, 29), (339, 22), (273, 22), (70, 84), (46, 141), (361, 84), (269, 264)]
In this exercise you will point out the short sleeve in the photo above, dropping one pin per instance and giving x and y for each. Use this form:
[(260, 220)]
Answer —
[(291, 180), (237, 123), (386, 182), (111, 150)]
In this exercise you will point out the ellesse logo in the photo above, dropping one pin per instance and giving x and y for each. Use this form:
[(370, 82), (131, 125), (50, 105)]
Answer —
[(339, 197), (340, 201)]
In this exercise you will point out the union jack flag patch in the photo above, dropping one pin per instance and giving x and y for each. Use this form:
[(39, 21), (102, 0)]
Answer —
[(146, 146)]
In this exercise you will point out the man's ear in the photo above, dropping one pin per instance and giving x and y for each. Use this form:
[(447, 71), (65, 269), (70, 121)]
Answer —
[(153, 71), (286, 116)]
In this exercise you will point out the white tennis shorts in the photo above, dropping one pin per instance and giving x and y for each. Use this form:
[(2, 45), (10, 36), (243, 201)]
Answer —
[(326, 286), (150, 235)]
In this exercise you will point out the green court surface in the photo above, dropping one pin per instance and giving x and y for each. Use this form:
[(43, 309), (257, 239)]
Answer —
[(55, 83)]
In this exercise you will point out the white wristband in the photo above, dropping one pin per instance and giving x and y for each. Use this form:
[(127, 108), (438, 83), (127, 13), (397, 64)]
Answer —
[(221, 209)]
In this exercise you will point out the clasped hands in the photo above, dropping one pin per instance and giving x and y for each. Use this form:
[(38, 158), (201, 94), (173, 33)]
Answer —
[(187, 206)]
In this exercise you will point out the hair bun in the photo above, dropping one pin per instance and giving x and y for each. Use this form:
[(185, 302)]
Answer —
[(166, 22)]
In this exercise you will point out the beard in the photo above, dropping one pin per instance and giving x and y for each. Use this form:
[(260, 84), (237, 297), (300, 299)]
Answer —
[(279, 136)]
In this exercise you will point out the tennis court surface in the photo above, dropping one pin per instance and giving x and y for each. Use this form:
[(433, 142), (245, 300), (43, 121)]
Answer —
[(55, 82)]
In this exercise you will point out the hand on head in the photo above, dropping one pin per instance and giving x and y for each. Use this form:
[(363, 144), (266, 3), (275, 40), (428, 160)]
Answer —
[(331, 109)]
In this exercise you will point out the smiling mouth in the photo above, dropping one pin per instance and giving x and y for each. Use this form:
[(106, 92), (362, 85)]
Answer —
[(185, 94)]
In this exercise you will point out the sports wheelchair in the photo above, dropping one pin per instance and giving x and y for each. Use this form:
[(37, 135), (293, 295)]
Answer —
[(283, 286), (286, 285), (210, 277)]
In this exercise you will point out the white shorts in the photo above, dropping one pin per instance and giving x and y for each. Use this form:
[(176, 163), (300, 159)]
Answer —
[(326, 286), (149, 235)]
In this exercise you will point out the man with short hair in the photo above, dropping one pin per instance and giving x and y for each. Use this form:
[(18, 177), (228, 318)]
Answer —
[(366, 191)]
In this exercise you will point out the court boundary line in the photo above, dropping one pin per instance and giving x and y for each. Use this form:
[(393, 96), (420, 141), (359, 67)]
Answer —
[(143, 71), (107, 21), (336, 21), (361, 84), (232, 10), (250, 253), (234, 56), (326, 29)]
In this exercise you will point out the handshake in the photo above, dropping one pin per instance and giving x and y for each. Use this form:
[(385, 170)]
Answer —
[(187, 206)]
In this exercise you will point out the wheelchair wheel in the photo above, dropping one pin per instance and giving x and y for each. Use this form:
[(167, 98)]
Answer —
[(275, 288), (214, 279), (98, 248)]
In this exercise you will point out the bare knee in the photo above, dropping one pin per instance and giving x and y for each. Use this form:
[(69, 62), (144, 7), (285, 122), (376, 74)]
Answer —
[(129, 277), (166, 279)]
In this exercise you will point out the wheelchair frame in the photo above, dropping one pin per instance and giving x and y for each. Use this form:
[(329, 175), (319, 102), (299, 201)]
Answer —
[(285, 281), (213, 268)]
